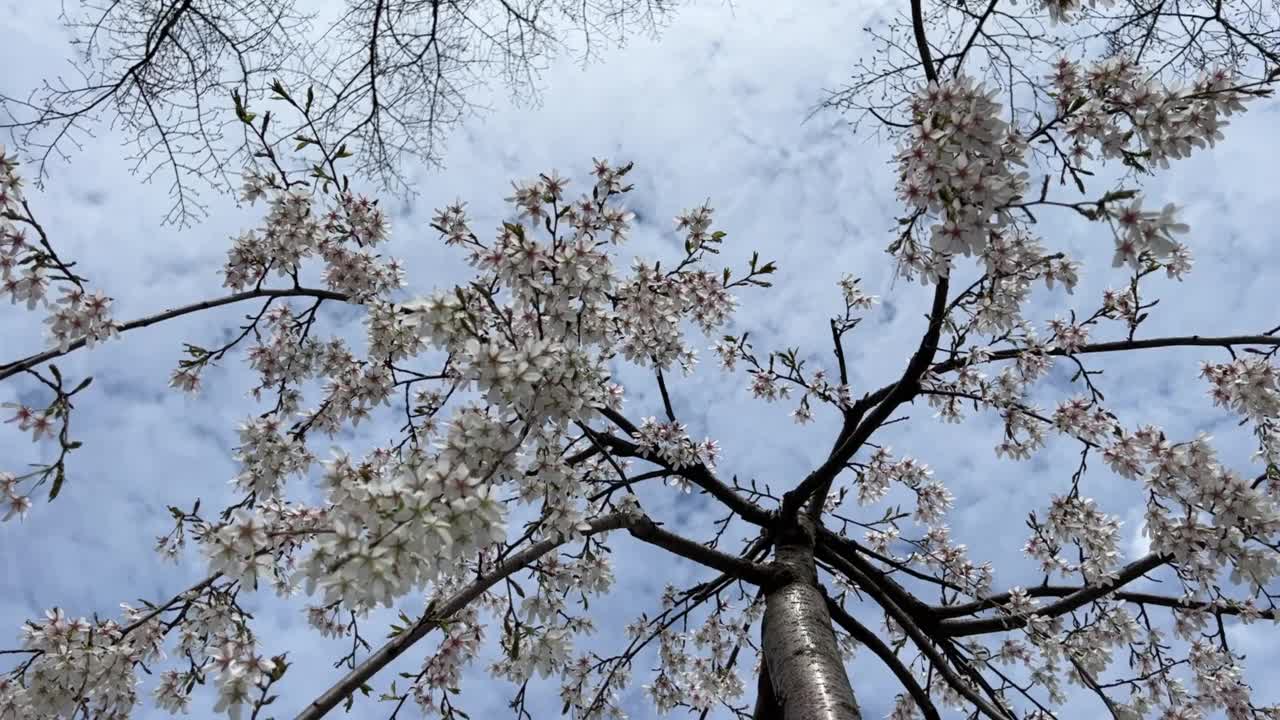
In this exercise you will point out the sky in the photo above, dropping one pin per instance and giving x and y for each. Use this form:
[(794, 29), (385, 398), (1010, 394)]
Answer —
[(713, 109)]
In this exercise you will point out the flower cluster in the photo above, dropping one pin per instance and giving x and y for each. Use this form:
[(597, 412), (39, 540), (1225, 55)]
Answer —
[(651, 305), (40, 423), (241, 548), (958, 163), (80, 666), (933, 498), (1082, 418), (28, 285), (25, 269), (240, 671), (669, 442), (854, 297), (695, 669), (1115, 106), (80, 315), (394, 528), (765, 386), (10, 182), (1221, 513), (1249, 386), (1007, 393), (293, 231), (1068, 337), (268, 456), (15, 503), (443, 670), (1060, 11), (940, 552), (1073, 519), (1015, 260)]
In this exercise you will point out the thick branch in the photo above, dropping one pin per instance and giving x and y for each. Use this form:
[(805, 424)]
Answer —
[(902, 391), (31, 361), (889, 397), (864, 635), (437, 615), (698, 474), (1077, 599), (920, 636), (639, 526), (839, 551), (1225, 341), (922, 42), (647, 530)]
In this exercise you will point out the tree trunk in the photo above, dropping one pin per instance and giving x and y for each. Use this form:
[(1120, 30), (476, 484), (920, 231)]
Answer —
[(766, 704), (800, 653)]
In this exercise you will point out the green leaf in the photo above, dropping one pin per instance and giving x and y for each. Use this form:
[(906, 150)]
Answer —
[(281, 667), (241, 112), (59, 476), (1119, 195)]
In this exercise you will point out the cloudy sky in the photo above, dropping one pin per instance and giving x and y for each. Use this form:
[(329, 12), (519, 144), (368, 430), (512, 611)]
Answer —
[(714, 109)]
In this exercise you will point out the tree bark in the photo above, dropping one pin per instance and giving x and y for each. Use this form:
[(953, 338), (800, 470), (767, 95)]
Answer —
[(766, 704), (802, 660)]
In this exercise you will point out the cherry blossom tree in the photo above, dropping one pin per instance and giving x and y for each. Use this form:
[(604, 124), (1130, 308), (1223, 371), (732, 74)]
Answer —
[(505, 388)]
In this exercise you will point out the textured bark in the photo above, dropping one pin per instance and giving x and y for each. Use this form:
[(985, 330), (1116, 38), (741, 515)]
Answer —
[(803, 662), (766, 704)]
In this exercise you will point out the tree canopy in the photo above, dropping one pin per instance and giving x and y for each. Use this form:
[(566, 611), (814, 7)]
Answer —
[(490, 518)]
